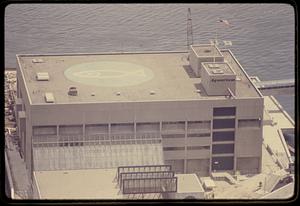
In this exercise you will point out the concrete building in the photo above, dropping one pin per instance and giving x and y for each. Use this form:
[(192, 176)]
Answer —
[(198, 111)]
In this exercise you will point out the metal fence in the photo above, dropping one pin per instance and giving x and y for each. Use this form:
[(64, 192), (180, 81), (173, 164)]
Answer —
[(149, 185), (145, 175)]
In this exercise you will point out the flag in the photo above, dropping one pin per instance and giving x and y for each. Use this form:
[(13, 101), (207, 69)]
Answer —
[(226, 22)]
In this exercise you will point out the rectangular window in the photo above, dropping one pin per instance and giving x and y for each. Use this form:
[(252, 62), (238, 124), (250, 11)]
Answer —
[(222, 163), (96, 128), (198, 148), (224, 111), (173, 148), (199, 135), (173, 126), (147, 127), (222, 148), (122, 128), (223, 136), (172, 136), (70, 129), (196, 125), (223, 123), (249, 123), (44, 130)]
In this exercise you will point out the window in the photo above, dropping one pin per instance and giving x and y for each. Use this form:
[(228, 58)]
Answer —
[(173, 126), (222, 163), (70, 129), (199, 135), (196, 125), (249, 123), (222, 148), (223, 123), (96, 129), (147, 127), (122, 128), (223, 136), (172, 136), (224, 111), (44, 130), (173, 148), (198, 148)]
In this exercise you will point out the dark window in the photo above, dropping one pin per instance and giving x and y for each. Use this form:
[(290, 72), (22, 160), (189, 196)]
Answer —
[(199, 135), (223, 123), (222, 148), (222, 163), (198, 148), (223, 136), (224, 111), (173, 148), (44, 130)]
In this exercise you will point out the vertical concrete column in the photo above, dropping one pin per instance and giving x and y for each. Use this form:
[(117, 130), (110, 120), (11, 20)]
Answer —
[(83, 132), (160, 129), (109, 132), (185, 148), (134, 129), (57, 131), (211, 134), (18, 107), (83, 127), (134, 123), (22, 130), (234, 152), (18, 88), (28, 148)]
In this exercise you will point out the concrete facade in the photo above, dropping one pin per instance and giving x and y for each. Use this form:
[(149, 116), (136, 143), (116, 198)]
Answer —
[(198, 133)]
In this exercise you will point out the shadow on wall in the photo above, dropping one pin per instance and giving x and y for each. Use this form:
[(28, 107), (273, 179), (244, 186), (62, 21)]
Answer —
[(189, 71)]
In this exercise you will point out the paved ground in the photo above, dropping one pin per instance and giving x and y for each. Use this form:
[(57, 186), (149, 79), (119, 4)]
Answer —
[(248, 189)]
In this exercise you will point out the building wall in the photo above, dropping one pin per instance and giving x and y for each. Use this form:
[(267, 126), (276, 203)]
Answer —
[(178, 123), (214, 87), (25, 133)]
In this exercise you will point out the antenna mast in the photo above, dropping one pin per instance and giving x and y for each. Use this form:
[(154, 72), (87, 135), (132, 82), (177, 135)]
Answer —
[(189, 34)]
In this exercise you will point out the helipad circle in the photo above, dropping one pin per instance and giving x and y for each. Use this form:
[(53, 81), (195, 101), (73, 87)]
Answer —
[(109, 74)]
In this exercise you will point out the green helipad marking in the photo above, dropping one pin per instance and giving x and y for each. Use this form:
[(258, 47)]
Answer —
[(109, 74)]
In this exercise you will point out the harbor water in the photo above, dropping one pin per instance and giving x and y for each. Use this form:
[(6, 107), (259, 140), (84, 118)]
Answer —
[(262, 35)]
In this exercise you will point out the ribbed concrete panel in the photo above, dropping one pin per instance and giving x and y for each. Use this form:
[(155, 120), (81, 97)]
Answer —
[(96, 156)]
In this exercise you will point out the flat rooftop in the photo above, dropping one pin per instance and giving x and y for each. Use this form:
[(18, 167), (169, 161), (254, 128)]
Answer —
[(188, 183), (78, 184), (206, 50), (97, 184), (117, 77)]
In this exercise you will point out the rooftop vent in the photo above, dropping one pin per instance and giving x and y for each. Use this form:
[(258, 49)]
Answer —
[(118, 93), (49, 98), (207, 51), (42, 76), (37, 60), (152, 92), (217, 71), (72, 91), (213, 66)]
